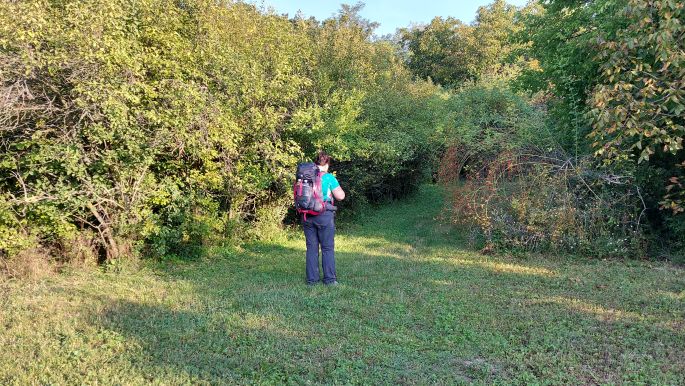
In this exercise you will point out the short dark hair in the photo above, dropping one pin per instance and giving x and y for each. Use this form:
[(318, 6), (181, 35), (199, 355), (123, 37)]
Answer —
[(322, 158)]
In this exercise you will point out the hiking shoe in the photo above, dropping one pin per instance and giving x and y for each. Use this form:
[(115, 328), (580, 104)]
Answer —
[(331, 284)]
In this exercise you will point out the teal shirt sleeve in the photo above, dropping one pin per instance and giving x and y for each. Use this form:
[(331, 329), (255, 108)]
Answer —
[(328, 184), (334, 181)]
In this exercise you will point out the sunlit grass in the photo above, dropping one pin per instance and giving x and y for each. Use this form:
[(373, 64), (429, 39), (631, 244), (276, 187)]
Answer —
[(499, 266), (414, 306)]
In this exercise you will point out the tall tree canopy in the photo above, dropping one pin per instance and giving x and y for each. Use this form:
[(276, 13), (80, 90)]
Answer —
[(450, 52)]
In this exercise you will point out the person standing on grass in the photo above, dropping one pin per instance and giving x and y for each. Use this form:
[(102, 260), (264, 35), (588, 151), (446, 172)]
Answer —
[(319, 231)]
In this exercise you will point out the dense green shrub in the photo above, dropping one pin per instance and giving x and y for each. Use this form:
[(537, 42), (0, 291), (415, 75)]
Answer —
[(165, 124), (514, 189), (400, 142), (613, 71), (486, 120), (539, 202), (561, 36)]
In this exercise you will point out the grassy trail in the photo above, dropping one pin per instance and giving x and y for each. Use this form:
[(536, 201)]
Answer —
[(414, 308)]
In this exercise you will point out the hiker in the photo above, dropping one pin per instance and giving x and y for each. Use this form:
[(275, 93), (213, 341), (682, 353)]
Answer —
[(319, 224)]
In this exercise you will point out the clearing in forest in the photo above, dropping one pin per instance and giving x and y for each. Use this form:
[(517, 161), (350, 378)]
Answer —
[(415, 306)]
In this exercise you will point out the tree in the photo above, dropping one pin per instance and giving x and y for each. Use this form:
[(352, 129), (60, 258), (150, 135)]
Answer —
[(494, 27), (441, 51), (614, 70), (561, 36), (638, 105), (450, 52)]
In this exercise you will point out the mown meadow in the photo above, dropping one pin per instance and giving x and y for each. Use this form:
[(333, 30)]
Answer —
[(415, 306), (515, 185)]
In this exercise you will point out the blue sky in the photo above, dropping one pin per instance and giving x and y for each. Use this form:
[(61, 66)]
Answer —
[(391, 14)]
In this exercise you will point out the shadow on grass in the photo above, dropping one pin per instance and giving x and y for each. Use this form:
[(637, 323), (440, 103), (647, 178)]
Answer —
[(203, 344), (258, 322), (414, 307), (396, 319)]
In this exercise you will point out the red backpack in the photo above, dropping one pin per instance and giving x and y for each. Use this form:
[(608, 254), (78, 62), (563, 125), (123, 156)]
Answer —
[(307, 190)]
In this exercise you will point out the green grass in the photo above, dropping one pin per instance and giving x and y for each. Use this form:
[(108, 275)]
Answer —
[(414, 307)]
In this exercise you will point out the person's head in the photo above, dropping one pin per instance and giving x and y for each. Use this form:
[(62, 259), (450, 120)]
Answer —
[(323, 161)]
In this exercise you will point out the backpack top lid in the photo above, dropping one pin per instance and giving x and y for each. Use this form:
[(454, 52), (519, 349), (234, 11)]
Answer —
[(307, 171)]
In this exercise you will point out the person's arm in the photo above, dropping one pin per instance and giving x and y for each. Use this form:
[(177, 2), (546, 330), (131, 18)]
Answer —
[(336, 190), (338, 193)]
